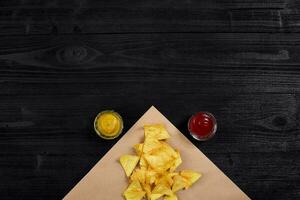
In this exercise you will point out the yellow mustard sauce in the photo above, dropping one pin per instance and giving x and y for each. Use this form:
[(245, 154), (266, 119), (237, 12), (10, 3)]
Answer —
[(108, 124)]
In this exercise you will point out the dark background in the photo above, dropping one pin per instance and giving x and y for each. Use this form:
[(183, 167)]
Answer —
[(61, 62)]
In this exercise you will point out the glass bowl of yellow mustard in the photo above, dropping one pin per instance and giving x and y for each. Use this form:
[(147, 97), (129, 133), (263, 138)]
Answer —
[(108, 124)]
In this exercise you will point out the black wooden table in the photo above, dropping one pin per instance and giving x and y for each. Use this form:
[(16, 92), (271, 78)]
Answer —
[(61, 62)]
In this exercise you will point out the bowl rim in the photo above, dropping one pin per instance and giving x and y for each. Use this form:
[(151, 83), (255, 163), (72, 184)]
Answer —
[(208, 136), (99, 132)]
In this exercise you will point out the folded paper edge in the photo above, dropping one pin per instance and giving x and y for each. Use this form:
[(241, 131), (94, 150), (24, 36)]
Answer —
[(151, 108), (132, 127)]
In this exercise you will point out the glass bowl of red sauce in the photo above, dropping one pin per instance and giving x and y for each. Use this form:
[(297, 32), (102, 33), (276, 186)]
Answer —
[(202, 126)]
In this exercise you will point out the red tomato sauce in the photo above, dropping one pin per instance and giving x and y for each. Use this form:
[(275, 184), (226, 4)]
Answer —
[(202, 125)]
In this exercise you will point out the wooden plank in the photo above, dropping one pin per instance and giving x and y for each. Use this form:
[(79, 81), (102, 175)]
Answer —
[(290, 20), (51, 88), (267, 59), (147, 16), (153, 4), (44, 179), (53, 124)]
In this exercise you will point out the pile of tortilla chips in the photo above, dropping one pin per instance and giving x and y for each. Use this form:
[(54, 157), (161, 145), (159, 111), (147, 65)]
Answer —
[(152, 171)]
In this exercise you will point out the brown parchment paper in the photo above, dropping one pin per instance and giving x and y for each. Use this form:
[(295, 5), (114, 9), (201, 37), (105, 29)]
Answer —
[(107, 180)]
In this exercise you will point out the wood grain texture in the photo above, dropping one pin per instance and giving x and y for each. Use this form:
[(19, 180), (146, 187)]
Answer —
[(61, 62), (84, 16), (52, 87)]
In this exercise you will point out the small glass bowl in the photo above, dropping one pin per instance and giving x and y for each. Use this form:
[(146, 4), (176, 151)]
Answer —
[(209, 135), (99, 133)]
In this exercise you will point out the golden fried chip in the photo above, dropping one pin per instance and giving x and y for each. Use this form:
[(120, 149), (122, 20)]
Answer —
[(190, 176), (138, 149), (169, 179), (159, 160), (151, 144), (172, 197), (157, 131), (155, 196), (151, 176), (128, 163), (139, 175), (179, 183), (143, 163), (166, 178), (177, 162), (168, 149), (134, 191), (147, 189), (152, 171), (163, 189)]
